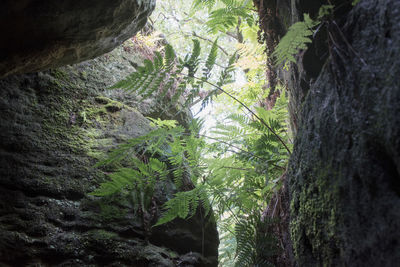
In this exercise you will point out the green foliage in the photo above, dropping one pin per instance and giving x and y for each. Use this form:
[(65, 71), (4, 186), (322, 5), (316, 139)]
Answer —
[(238, 181), (252, 135), (139, 182), (227, 15), (142, 177), (324, 11), (297, 37), (152, 143), (245, 238), (210, 62), (185, 204), (239, 165), (175, 78), (208, 3), (181, 151), (149, 78), (250, 160), (256, 245), (159, 123)]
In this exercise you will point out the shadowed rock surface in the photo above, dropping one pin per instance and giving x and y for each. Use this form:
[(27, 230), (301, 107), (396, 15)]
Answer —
[(55, 125), (45, 34), (344, 173)]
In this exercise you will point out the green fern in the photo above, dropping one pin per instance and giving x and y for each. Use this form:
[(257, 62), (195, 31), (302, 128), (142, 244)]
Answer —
[(254, 136), (297, 38), (173, 77), (227, 17), (256, 244), (181, 154), (156, 77), (201, 3), (126, 178), (245, 239), (238, 180), (299, 35), (212, 57), (184, 205)]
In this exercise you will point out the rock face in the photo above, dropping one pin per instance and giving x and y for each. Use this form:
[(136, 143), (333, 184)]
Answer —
[(55, 126), (39, 35), (344, 173)]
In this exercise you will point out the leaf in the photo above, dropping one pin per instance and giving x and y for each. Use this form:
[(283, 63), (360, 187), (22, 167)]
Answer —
[(297, 38)]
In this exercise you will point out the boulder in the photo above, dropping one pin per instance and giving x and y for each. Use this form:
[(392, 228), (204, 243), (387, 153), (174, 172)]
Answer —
[(342, 191), (55, 126), (39, 35), (344, 172)]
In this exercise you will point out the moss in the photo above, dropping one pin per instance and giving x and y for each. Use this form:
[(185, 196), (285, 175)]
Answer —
[(315, 220), (114, 106), (98, 111), (84, 74), (102, 111), (110, 212), (109, 104), (102, 99), (100, 234), (60, 74)]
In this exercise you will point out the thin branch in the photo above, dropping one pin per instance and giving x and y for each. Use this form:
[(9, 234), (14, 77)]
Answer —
[(235, 168), (211, 41), (248, 109), (232, 35)]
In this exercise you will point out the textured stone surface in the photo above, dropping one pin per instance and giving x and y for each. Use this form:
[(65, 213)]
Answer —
[(55, 126), (42, 34), (344, 174)]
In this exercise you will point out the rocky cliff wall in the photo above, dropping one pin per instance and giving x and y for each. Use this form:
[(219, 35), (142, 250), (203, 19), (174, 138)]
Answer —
[(55, 125), (44, 34), (344, 173)]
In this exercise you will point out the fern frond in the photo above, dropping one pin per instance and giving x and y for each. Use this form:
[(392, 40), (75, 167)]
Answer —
[(184, 205), (200, 3), (245, 248), (193, 62), (256, 244), (211, 58), (297, 38), (225, 18), (169, 58), (122, 179)]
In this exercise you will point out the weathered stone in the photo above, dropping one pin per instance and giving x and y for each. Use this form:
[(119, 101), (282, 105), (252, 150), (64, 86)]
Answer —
[(39, 35), (55, 126), (344, 173)]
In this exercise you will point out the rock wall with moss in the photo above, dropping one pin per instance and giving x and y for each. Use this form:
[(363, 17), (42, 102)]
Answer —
[(344, 173), (55, 126)]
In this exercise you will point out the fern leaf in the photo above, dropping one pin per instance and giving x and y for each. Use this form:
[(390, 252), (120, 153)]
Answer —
[(295, 39), (212, 57), (200, 3), (170, 57), (184, 205), (193, 62), (120, 180)]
